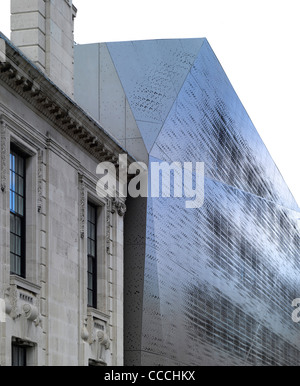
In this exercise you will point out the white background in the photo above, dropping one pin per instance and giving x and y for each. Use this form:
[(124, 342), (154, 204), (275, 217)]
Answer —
[(256, 41)]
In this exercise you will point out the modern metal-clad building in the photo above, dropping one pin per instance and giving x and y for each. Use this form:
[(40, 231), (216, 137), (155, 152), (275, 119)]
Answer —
[(211, 285)]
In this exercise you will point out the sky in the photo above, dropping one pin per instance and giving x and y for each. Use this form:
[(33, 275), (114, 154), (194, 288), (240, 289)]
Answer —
[(256, 41)]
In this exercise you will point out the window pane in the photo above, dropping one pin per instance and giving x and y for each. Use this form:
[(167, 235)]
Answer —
[(15, 225), (18, 245), (12, 223), (91, 214), (15, 264), (90, 265), (90, 299), (20, 165), (91, 250), (18, 265), (17, 209), (90, 281), (12, 162), (20, 206), (12, 263), (12, 243), (19, 185), (16, 187), (18, 224), (12, 201), (12, 180), (15, 356), (92, 232), (19, 356), (16, 201)]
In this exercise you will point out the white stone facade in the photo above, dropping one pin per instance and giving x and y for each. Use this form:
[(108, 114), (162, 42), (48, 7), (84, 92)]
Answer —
[(43, 30), (46, 311)]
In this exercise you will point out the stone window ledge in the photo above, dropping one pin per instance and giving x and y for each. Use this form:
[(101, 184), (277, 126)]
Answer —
[(25, 284)]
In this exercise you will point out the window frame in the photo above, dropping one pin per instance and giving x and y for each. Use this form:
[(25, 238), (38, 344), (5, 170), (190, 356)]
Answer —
[(15, 359), (102, 211), (94, 258), (14, 150)]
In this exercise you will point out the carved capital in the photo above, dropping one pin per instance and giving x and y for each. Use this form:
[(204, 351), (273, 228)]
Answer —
[(103, 339), (119, 206), (22, 301), (84, 331), (30, 312), (11, 302), (94, 332)]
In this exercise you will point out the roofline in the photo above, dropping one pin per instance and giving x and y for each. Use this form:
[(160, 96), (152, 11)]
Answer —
[(33, 85)]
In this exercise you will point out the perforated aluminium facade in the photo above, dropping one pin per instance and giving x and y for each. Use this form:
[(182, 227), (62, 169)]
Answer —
[(207, 286)]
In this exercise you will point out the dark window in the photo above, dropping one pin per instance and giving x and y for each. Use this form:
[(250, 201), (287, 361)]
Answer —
[(17, 213), (93, 363), (92, 255), (19, 355)]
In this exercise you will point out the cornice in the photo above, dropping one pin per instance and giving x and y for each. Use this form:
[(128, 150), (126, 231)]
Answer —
[(32, 85)]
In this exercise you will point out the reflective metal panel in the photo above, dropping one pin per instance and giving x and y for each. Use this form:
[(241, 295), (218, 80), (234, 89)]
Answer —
[(219, 281), (213, 285), (152, 74)]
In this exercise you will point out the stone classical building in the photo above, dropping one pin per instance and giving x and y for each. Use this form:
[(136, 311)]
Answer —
[(206, 286), (211, 285), (61, 244)]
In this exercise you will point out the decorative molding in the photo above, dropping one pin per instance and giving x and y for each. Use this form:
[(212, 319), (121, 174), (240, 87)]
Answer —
[(103, 345), (31, 313), (11, 301), (4, 155), (22, 131), (28, 82), (22, 299), (119, 206), (84, 331), (94, 332), (22, 283), (82, 203), (40, 182), (108, 227)]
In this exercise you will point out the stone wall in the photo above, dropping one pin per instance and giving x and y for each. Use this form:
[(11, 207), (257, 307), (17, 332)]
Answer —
[(46, 311), (43, 30)]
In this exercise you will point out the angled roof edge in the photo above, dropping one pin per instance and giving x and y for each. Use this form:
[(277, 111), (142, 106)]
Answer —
[(120, 65), (155, 90), (297, 207)]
